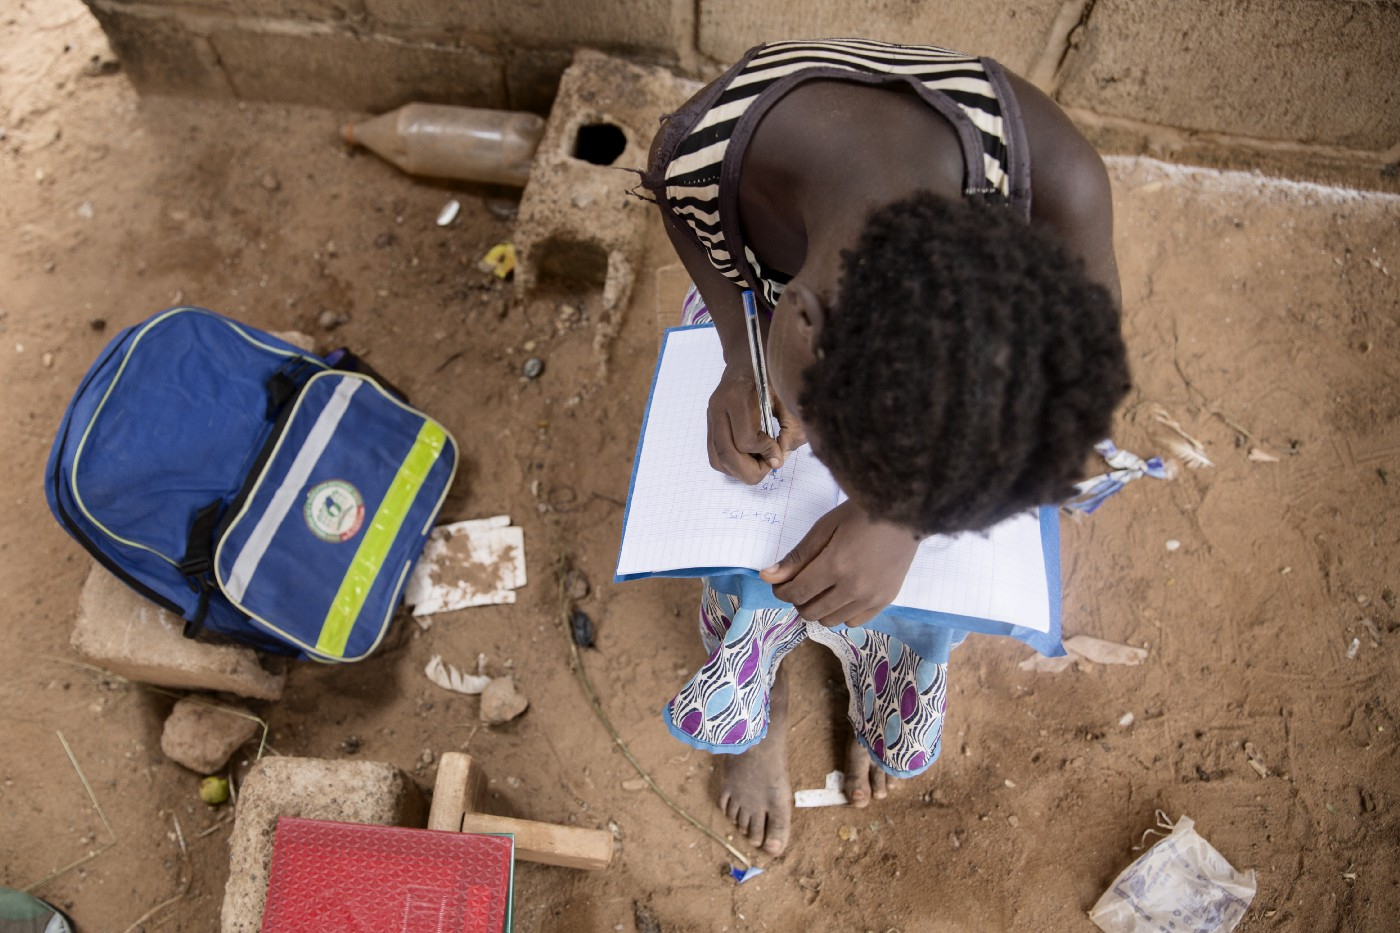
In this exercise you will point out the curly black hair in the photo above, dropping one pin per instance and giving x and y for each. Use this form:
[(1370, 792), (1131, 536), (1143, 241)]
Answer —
[(967, 369)]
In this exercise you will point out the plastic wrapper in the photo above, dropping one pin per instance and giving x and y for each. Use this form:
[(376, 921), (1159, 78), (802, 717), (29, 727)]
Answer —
[(1180, 884)]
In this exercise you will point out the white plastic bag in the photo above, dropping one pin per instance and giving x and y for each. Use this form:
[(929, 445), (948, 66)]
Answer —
[(1180, 884)]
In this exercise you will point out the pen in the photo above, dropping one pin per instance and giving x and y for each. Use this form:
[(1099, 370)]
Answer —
[(767, 420)]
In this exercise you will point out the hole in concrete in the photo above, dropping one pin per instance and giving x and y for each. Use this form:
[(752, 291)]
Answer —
[(599, 143), (572, 263)]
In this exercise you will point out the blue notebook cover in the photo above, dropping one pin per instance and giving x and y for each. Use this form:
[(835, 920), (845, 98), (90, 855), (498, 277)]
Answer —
[(684, 519)]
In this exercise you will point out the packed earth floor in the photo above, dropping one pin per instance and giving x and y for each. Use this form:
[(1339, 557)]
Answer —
[(1260, 315)]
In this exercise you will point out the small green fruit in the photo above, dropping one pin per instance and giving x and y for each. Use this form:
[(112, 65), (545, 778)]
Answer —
[(213, 791)]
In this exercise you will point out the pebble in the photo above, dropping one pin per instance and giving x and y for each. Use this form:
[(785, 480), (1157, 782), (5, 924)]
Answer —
[(634, 784), (582, 628), (330, 320), (501, 702), (449, 212), (48, 361), (504, 208), (1173, 544), (532, 368), (576, 584), (426, 758), (85, 210), (270, 181), (203, 737), (847, 833)]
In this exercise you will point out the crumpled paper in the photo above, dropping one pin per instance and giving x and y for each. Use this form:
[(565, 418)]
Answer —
[(451, 678), (1087, 648)]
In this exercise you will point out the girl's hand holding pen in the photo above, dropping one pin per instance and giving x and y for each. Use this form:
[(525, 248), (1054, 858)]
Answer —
[(737, 443)]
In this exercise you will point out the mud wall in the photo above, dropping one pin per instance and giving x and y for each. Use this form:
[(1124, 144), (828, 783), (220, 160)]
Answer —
[(1306, 88)]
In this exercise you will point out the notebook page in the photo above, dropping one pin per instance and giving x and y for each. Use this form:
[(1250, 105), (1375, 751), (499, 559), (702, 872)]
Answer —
[(681, 512), (998, 575)]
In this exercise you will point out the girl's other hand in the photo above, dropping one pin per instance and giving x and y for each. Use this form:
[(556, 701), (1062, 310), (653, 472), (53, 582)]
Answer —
[(846, 570)]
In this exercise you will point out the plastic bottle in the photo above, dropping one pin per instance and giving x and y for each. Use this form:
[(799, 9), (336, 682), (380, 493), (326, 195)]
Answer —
[(453, 142)]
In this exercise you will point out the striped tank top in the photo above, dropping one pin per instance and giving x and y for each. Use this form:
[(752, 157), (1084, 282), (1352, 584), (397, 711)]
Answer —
[(694, 173)]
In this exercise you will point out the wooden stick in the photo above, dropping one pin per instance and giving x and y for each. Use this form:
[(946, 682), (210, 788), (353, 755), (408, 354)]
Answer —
[(458, 793), (460, 788), (547, 843)]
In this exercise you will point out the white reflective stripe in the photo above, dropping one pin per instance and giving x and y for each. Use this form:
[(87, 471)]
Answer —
[(287, 494)]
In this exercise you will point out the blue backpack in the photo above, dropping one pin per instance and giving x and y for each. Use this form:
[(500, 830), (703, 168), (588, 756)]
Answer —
[(265, 495)]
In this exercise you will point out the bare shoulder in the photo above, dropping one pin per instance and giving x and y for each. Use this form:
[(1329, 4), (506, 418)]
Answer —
[(1067, 174), (661, 134), (1070, 192)]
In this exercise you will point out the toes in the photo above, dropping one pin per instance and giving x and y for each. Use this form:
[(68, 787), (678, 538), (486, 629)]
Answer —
[(776, 838), (880, 782), (857, 783), (756, 827), (858, 788)]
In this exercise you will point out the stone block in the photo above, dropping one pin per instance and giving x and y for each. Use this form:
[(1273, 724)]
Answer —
[(658, 30), (315, 10), (120, 631), (532, 77), (577, 222), (202, 735), (161, 54), (344, 791), (367, 73), (1313, 73), (411, 18), (1013, 33)]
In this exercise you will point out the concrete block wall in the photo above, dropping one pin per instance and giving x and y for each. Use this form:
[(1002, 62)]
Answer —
[(1307, 88)]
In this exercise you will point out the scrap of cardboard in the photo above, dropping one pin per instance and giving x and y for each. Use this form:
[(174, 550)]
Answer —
[(472, 563)]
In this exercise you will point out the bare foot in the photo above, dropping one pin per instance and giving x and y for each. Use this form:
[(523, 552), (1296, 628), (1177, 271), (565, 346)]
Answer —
[(755, 793), (864, 778)]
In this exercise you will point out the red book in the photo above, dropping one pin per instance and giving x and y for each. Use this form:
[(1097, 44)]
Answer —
[(355, 878)]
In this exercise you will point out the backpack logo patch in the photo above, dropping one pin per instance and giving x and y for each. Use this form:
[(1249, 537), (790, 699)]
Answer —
[(334, 510)]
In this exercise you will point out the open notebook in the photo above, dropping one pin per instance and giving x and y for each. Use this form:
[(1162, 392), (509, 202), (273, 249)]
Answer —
[(684, 519)]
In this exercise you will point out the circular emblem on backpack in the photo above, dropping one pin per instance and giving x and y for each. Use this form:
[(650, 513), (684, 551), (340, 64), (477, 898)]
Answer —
[(334, 510)]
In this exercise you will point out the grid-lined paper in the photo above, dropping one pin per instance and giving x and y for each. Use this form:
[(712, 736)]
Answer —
[(683, 514)]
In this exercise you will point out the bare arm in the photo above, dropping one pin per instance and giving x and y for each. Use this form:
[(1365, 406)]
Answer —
[(735, 442), (1070, 192)]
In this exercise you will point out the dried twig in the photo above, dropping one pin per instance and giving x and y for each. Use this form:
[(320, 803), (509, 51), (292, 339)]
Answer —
[(576, 662), (180, 893), (215, 827), (180, 835), (102, 816)]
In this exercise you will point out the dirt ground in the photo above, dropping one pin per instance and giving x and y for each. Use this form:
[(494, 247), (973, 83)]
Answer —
[(1262, 315)]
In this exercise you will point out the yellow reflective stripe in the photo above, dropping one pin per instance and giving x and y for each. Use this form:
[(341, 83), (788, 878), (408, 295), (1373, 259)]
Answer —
[(379, 535)]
